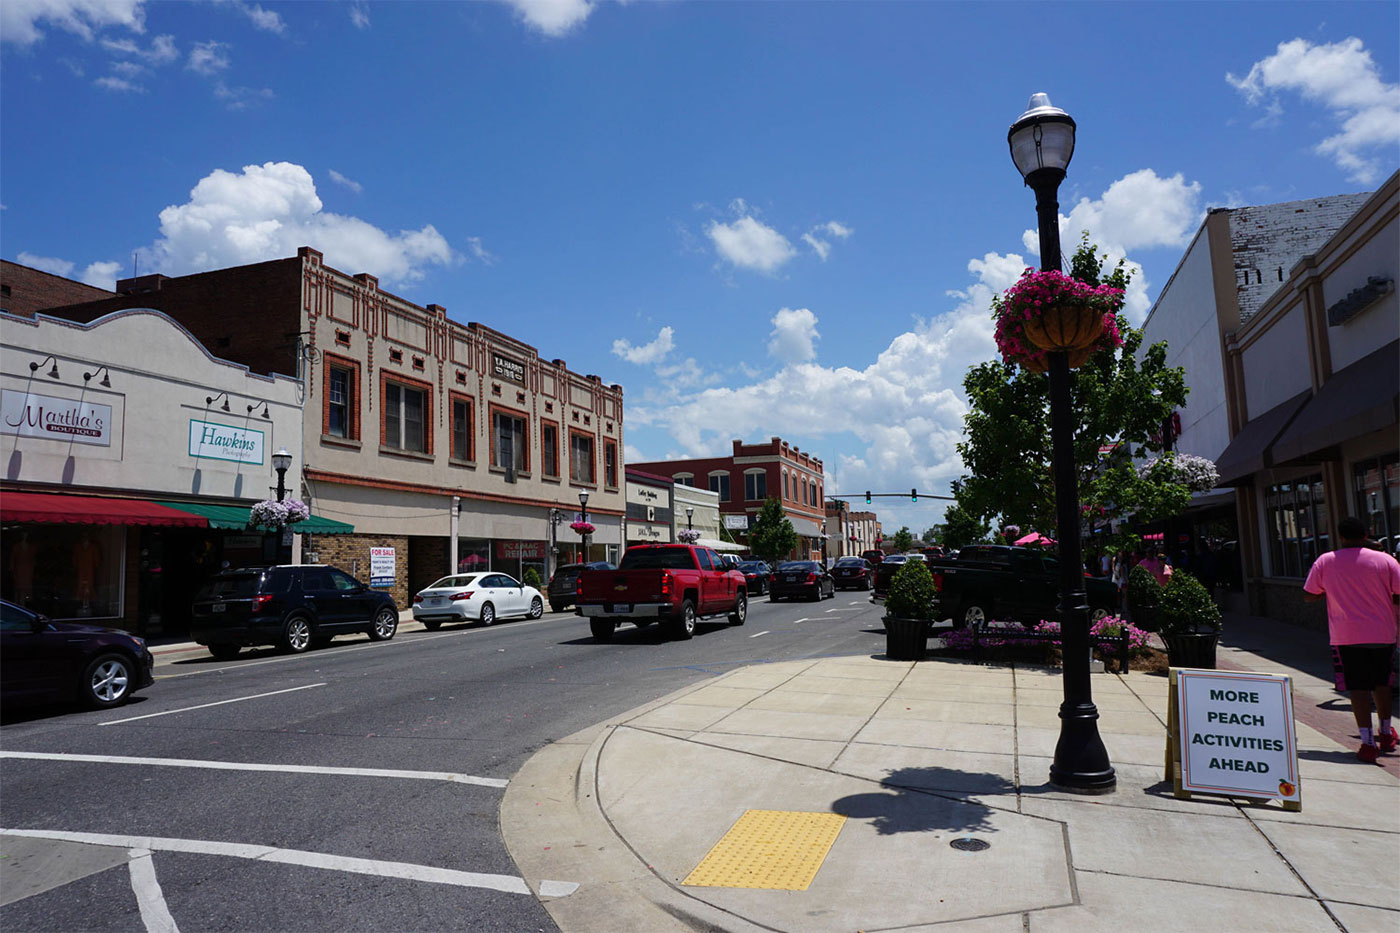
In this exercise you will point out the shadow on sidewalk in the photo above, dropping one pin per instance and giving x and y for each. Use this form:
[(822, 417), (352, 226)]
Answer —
[(911, 806)]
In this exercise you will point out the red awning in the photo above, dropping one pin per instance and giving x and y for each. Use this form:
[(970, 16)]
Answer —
[(55, 508)]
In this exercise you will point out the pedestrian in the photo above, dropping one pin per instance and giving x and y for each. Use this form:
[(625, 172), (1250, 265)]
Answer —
[(1157, 566), (1120, 577), (1362, 589)]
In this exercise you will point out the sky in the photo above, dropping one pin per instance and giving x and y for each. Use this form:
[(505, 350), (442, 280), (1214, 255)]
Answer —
[(760, 218)]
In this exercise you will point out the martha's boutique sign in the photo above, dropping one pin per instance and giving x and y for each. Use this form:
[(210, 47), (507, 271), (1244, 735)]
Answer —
[(58, 419), (209, 441)]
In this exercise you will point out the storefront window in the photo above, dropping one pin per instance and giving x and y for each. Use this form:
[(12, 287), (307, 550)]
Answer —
[(1296, 520), (66, 571), (1376, 487)]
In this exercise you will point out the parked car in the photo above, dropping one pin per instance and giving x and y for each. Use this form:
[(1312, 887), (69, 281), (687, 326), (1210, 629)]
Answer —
[(874, 557), (476, 597), (45, 661), (292, 606), (562, 587), (805, 578), (997, 581), (853, 573), (757, 574), (677, 584)]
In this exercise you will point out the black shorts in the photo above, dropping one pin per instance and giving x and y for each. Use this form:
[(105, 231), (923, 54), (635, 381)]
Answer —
[(1365, 667)]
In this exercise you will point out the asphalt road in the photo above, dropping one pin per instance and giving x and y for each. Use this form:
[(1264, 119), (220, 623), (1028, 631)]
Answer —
[(248, 825)]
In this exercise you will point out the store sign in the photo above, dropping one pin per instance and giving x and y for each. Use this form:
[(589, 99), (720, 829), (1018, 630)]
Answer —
[(1235, 734), (209, 441), (637, 494), (503, 367), (636, 531), (381, 567), (520, 550), (59, 419), (736, 522)]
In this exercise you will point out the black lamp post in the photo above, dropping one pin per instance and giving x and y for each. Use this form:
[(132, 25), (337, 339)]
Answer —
[(281, 462), (583, 517), (689, 515), (1042, 143)]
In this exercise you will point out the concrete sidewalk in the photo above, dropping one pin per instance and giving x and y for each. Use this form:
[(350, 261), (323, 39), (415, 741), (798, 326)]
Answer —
[(917, 755)]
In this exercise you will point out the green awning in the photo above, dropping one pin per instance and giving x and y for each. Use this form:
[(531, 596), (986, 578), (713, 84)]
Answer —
[(236, 518)]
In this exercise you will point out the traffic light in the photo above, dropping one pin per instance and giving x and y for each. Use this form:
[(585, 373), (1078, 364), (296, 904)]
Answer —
[(914, 495), (867, 497)]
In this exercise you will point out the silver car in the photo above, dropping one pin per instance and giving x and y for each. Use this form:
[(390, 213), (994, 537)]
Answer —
[(476, 597)]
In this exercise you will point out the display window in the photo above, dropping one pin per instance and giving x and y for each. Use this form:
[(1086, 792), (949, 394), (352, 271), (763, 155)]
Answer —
[(66, 571)]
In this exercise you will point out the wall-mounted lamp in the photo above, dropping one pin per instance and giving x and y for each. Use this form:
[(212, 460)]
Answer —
[(53, 372), (211, 399), (105, 383), (264, 409)]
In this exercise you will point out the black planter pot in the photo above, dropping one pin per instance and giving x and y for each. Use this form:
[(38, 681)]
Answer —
[(1192, 649), (1143, 615), (906, 639)]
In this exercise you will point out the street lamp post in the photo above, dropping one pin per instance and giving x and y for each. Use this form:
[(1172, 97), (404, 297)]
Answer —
[(1042, 144), (281, 462), (689, 516), (583, 517)]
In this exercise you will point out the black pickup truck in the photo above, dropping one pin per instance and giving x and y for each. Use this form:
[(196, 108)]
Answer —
[(992, 581)]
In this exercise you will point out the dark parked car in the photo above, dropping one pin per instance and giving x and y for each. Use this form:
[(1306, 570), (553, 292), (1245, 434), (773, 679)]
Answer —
[(758, 574), (294, 607), (42, 660), (562, 590), (805, 578), (853, 573)]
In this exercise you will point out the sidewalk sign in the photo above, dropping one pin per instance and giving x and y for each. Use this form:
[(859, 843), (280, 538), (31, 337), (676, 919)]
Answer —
[(1231, 734)]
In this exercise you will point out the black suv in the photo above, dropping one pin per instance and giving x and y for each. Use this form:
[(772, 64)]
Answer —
[(563, 586), (293, 607)]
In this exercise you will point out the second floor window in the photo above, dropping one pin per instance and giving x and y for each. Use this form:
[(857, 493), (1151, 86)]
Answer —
[(549, 443), (338, 402), (403, 418), (508, 432), (610, 464), (719, 482), (461, 429), (755, 486), (580, 458)]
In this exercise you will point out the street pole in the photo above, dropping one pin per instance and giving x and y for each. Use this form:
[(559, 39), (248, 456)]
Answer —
[(452, 545)]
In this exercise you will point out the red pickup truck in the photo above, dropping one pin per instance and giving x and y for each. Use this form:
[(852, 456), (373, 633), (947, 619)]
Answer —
[(675, 584)]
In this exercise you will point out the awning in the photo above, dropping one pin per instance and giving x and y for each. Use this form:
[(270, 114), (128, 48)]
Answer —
[(718, 545), (58, 508), (805, 527), (238, 517), (1249, 451), (1361, 399)]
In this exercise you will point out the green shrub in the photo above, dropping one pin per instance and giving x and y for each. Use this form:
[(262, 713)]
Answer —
[(532, 578), (1143, 594), (1186, 606), (911, 592)]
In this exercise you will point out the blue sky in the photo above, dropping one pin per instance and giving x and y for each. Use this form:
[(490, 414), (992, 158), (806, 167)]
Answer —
[(759, 218)]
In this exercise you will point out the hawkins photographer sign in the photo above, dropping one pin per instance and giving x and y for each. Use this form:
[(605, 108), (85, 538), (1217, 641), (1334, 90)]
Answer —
[(58, 419), (209, 441)]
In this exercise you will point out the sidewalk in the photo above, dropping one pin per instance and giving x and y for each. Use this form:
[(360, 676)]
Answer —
[(917, 755)]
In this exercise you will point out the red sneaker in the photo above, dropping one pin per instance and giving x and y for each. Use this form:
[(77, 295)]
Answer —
[(1368, 754), (1387, 743)]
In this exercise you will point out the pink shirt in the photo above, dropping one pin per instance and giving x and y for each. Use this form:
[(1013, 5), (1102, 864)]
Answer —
[(1360, 585)]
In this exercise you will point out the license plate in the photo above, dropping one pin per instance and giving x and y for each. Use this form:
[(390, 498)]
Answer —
[(218, 607), (435, 602), (792, 578), (620, 607)]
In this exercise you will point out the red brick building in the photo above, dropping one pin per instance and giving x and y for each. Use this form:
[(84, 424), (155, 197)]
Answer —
[(25, 291)]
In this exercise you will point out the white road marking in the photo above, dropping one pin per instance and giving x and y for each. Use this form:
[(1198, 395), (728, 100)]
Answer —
[(842, 610), (187, 709), (149, 899), (856, 603), (795, 621), (510, 884), (757, 634), (449, 776)]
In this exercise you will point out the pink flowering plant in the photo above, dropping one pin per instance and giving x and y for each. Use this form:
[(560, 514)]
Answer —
[(1032, 296), (583, 528), (1005, 634)]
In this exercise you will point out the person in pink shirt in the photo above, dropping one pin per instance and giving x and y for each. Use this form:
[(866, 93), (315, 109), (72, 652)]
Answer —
[(1362, 589), (1159, 568)]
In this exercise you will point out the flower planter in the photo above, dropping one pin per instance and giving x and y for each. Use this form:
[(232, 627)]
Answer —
[(1065, 326), (906, 639), (1192, 649)]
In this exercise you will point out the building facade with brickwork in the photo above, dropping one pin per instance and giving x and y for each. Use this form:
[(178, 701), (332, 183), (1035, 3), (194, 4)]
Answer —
[(414, 424), (849, 534)]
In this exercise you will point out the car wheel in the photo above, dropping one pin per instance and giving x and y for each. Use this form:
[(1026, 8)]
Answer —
[(602, 629), (432, 625), (488, 614), (683, 623), (224, 652), (106, 681), (296, 635), (973, 615), (741, 610), (556, 607), (386, 624), (536, 608)]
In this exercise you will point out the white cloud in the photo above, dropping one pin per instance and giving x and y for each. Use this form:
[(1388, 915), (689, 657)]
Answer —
[(101, 275), (794, 335), (340, 179), (269, 210), (750, 244), (161, 50), (822, 247), (1344, 79), (479, 252), (50, 264), (647, 353), (20, 19), (266, 20), (208, 58), (554, 18), (359, 15), (113, 83), (98, 274), (241, 98)]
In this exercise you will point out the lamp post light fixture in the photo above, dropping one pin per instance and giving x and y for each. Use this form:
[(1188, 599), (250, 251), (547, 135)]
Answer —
[(689, 515), (1042, 144), (583, 517), (281, 462)]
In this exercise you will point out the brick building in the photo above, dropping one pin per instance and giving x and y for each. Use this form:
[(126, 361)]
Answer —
[(415, 426), (850, 533), (754, 473), (25, 291)]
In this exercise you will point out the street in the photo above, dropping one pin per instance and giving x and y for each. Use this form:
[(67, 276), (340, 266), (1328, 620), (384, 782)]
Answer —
[(354, 787)]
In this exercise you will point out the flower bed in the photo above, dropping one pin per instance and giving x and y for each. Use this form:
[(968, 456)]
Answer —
[(1041, 643)]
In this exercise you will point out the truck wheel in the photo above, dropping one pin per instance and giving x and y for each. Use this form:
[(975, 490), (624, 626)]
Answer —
[(741, 610), (682, 624), (602, 629), (973, 615)]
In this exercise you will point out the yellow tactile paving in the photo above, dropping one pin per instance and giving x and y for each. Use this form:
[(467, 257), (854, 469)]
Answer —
[(779, 850)]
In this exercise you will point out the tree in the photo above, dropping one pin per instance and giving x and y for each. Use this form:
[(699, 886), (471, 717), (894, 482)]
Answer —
[(1118, 402), (961, 528), (903, 540), (771, 535), (933, 534)]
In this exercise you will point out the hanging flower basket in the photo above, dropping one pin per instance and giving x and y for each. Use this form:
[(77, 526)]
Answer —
[(687, 536), (1049, 311), (583, 528), (270, 513), (1198, 474)]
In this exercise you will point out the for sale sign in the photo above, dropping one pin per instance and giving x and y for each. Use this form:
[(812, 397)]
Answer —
[(381, 567), (1235, 734)]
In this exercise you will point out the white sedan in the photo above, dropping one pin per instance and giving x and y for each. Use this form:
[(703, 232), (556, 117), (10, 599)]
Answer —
[(476, 597)]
